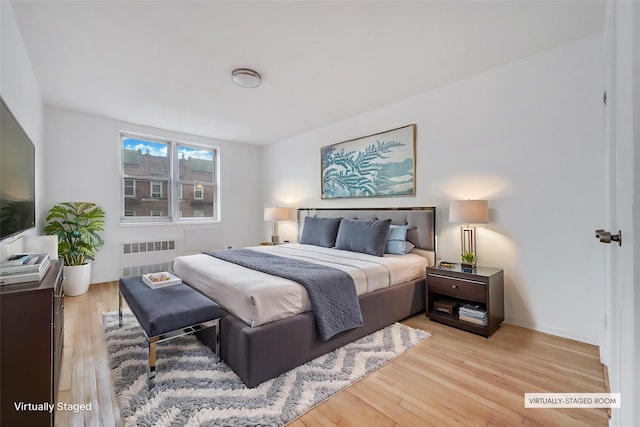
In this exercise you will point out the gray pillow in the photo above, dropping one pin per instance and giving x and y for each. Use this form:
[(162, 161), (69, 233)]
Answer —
[(364, 236), (320, 231)]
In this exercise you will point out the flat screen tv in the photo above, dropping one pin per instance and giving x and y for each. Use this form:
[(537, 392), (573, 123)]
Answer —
[(17, 177)]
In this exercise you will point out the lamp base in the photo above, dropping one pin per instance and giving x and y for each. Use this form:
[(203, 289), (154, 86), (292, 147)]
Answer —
[(468, 239), (275, 240)]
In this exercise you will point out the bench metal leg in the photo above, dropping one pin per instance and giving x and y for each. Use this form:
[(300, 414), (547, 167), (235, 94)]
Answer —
[(152, 360), (119, 309), (217, 326)]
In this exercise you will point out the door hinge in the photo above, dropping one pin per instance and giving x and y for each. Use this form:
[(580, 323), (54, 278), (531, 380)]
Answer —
[(604, 322), (604, 97)]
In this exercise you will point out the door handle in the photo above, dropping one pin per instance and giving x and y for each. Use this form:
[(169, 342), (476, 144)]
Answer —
[(607, 237)]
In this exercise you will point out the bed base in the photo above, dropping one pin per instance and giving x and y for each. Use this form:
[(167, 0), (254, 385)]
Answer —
[(263, 352)]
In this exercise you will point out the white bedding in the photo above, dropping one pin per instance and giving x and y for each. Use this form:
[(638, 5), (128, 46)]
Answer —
[(258, 298)]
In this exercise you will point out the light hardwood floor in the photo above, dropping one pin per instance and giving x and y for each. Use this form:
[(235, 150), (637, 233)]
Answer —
[(452, 378)]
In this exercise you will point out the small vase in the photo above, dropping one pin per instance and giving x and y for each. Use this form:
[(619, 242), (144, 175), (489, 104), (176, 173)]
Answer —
[(468, 267)]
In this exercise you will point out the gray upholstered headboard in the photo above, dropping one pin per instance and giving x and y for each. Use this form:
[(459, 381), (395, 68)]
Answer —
[(420, 221)]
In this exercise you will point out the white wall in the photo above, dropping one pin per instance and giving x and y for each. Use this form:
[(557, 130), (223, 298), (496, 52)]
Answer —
[(82, 165), (21, 93), (528, 137)]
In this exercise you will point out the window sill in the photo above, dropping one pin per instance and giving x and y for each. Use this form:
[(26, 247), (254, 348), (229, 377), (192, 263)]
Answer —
[(169, 223)]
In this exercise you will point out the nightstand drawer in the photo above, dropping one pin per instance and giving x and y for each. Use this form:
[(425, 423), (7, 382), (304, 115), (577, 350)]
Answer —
[(457, 287)]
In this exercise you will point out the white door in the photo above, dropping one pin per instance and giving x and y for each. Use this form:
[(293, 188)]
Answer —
[(621, 346)]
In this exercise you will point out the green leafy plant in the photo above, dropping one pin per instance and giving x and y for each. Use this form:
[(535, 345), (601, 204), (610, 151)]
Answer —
[(469, 257), (77, 225)]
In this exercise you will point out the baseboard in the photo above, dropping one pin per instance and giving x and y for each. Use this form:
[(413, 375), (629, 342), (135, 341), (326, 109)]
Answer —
[(572, 335)]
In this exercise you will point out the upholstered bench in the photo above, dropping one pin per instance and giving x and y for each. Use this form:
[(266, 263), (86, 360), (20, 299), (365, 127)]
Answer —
[(167, 313)]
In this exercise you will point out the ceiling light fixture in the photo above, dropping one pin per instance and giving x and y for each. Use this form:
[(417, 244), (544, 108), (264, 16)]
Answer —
[(245, 77)]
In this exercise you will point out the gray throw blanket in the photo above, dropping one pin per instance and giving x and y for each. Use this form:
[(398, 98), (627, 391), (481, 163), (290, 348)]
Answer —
[(331, 291)]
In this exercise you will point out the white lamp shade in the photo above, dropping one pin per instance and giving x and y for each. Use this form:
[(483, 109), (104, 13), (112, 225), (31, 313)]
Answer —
[(469, 211), (276, 214)]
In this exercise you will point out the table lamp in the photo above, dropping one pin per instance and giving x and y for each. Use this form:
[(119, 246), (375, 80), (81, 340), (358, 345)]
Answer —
[(275, 215), (468, 212)]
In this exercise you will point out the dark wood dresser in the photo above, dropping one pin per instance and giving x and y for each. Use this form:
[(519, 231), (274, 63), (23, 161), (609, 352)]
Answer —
[(31, 336)]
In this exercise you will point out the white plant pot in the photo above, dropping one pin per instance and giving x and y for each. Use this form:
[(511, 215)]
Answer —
[(77, 279)]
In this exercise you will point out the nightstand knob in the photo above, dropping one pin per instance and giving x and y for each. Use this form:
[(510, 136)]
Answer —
[(455, 286)]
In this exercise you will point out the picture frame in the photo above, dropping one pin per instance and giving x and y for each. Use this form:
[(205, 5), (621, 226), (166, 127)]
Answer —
[(379, 165)]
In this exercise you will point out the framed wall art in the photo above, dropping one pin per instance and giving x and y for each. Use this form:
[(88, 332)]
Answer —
[(378, 165)]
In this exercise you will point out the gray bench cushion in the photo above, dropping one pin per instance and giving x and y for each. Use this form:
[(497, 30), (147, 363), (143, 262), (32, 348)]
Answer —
[(166, 309)]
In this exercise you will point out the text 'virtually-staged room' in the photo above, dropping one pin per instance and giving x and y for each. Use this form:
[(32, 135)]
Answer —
[(268, 213)]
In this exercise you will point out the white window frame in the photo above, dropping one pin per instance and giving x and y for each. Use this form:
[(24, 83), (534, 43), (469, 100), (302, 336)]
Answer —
[(173, 190)]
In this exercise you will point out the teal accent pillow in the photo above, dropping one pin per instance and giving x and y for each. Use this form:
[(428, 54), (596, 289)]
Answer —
[(396, 240), (364, 236)]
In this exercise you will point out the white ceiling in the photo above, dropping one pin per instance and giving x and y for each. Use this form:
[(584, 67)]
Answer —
[(167, 64)]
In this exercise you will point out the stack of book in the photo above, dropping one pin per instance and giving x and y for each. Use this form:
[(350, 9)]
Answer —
[(22, 268), (473, 313)]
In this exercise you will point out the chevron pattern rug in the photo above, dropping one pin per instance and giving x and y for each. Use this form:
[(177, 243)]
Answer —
[(192, 390)]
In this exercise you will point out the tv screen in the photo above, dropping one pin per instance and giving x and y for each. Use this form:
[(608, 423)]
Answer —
[(17, 176)]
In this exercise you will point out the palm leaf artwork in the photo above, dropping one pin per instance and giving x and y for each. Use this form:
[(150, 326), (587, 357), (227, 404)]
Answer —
[(363, 173), (77, 225)]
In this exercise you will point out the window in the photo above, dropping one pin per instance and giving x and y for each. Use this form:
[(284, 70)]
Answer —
[(129, 188), (156, 189), (167, 180), (198, 192), (196, 169)]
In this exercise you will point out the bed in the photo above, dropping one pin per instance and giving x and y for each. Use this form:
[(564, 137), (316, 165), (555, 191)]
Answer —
[(269, 327)]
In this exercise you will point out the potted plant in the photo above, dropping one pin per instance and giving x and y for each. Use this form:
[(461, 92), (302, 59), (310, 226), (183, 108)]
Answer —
[(77, 225), (468, 261)]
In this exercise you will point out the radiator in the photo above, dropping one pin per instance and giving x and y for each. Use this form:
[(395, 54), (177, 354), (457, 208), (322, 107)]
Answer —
[(139, 258)]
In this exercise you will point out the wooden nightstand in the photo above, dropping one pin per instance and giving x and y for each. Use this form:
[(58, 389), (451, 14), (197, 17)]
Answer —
[(484, 287)]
